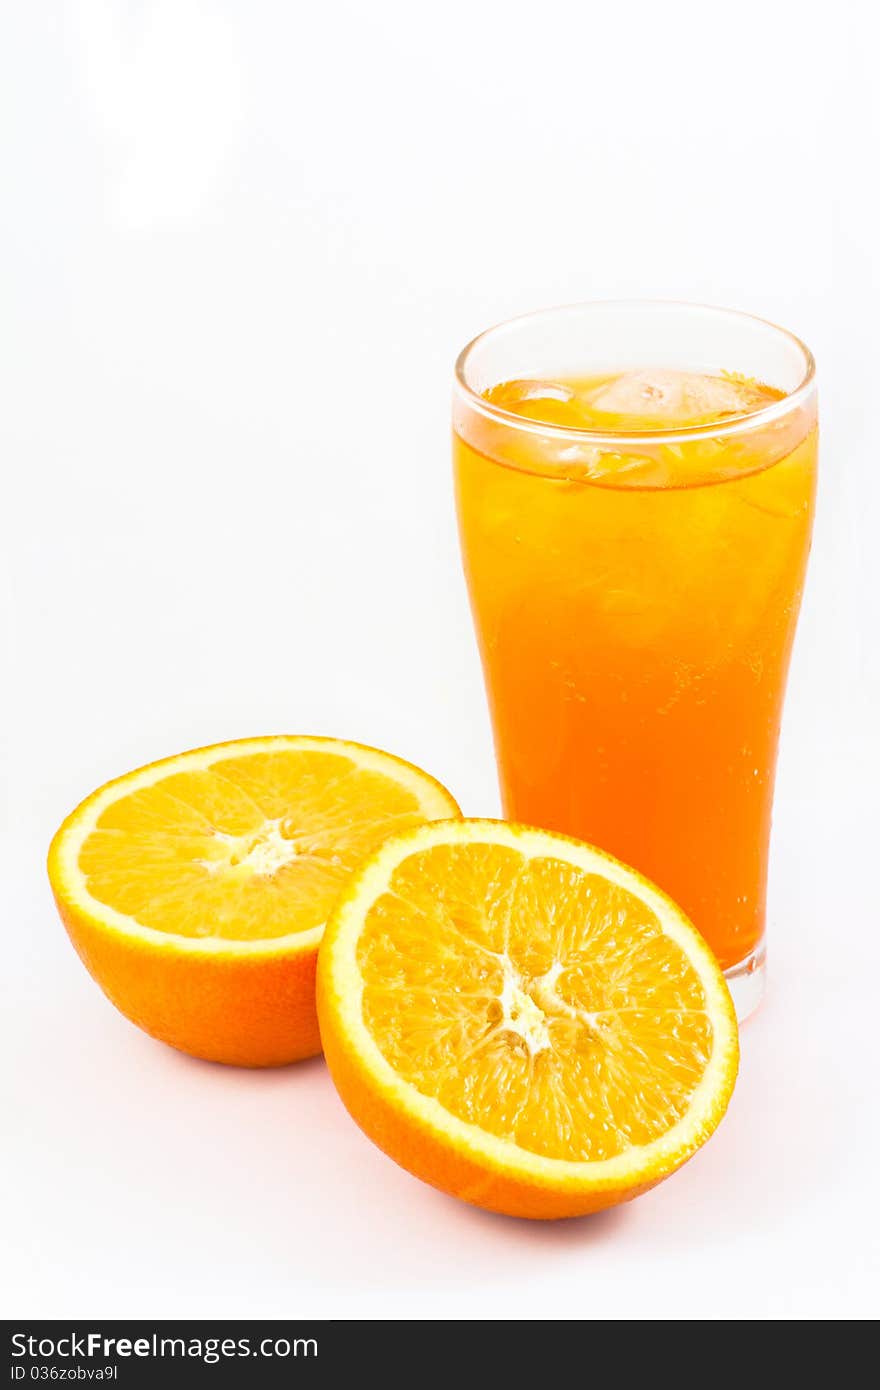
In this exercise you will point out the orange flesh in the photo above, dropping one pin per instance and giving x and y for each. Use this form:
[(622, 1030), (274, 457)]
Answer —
[(635, 610), (251, 848), (539, 1002)]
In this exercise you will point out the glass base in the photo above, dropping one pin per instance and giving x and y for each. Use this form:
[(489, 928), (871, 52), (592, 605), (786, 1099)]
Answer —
[(746, 980)]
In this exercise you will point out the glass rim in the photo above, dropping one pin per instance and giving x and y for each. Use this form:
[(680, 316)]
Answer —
[(737, 424)]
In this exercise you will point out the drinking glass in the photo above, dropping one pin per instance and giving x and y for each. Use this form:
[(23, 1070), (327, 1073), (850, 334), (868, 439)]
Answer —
[(635, 588)]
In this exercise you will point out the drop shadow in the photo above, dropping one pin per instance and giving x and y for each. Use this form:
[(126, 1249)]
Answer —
[(430, 1205), (564, 1231), (262, 1078)]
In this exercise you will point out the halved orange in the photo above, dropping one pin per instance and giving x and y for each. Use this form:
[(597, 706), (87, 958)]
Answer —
[(521, 1020), (196, 889)]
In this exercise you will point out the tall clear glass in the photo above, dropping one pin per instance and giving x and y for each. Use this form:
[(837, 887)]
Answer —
[(635, 585)]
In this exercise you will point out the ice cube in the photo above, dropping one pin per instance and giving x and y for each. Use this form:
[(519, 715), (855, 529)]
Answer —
[(654, 399), (548, 402), (510, 394)]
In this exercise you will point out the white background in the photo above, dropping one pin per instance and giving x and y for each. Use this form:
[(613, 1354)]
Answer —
[(240, 245)]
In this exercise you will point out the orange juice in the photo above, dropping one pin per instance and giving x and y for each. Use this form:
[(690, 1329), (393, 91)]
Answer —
[(635, 546)]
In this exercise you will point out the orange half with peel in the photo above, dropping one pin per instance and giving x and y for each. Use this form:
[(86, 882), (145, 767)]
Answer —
[(521, 1020), (196, 890)]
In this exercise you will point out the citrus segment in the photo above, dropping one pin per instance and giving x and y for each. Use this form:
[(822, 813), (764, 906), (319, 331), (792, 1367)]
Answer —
[(196, 889), (521, 1020)]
